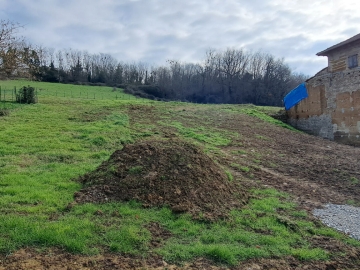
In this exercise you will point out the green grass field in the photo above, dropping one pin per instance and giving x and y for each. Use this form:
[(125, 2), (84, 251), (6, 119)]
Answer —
[(44, 147), (45, 90)]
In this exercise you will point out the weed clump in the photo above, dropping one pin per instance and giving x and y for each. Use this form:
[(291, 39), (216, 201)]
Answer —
[(157, 173), (4, 112), (26, 95)]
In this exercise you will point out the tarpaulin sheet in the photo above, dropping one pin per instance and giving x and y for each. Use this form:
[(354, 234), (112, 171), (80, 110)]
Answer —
[(295, 96)]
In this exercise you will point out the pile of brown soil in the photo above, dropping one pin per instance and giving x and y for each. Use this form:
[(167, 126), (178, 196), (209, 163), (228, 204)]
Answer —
[(157, 173)]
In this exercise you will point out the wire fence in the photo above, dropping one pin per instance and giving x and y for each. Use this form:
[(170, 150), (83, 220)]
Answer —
[(8, 96)]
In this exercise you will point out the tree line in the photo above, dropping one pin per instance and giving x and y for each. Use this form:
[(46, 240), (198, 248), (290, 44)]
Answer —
[(227, 76)]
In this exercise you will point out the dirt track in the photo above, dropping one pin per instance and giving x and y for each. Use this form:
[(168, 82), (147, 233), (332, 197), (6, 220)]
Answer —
[(314, 170)]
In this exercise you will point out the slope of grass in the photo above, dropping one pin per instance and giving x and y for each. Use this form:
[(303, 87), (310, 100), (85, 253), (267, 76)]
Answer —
[(261, 113), (44, 147), (256, 231)]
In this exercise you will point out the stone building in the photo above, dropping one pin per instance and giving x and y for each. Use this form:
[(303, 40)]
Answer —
[(332, 106)]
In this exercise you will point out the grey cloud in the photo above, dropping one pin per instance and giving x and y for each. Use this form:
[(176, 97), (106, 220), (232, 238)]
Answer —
[(156, 30)]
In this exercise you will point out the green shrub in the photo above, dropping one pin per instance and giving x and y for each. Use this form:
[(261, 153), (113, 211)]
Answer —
[(26, 95)]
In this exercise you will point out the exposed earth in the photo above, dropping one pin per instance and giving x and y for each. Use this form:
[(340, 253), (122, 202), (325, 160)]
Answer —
[(313, 170), (164, 172), (55, 259)]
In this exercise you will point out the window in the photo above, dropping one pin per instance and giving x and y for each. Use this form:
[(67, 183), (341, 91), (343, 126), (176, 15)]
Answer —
[(353, 61)]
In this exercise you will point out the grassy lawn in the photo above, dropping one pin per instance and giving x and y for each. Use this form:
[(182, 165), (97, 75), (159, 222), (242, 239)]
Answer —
[(44, 147)]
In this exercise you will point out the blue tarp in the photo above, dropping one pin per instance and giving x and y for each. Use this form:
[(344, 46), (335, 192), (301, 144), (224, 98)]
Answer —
[(295, 96)]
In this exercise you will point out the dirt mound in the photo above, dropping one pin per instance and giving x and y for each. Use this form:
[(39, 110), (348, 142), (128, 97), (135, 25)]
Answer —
[(157, 173)]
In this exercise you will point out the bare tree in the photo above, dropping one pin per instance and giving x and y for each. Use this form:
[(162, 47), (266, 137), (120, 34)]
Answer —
[(8, 34), (10, 47)]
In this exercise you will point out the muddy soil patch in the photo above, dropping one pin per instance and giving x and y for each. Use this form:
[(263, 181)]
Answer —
[(157, 173), (314, 170), (55, 259), (158, 234)]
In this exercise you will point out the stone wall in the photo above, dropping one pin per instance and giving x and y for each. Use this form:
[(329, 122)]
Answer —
[(332, 109)]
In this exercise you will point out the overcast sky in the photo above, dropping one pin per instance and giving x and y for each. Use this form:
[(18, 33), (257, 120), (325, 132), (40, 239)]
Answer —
[(154, 31)]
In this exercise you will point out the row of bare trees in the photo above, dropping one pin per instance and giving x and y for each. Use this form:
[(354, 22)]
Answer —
[(19, 58), (229, 76), (69, 66)]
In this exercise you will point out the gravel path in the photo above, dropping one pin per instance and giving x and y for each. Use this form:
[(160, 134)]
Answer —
[(344, 218)]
